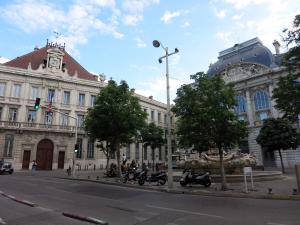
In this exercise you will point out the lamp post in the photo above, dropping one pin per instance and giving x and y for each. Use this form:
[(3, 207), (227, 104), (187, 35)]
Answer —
[(157, 44)]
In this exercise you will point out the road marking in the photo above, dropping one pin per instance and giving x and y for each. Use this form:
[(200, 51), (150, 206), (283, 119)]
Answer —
[(2, 221), (185, 211), (270, 223)]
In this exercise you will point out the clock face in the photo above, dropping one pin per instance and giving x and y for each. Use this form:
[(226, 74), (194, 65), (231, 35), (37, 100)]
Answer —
[(54, 62)]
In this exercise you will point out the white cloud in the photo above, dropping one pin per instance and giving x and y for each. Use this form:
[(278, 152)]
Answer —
[(240, 4), (3, 60), (220, 14), (140, 43), (225, 36), (75, 24), (144, 68), (236, 17), (168, 16), (186, 24), (132, 20)]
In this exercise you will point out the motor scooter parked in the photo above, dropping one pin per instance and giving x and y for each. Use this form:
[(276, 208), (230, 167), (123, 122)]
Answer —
[(191, 177), (131, 174), (159, 177)]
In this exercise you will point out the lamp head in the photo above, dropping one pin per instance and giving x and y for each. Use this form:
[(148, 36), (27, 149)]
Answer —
[(176, 50), (160, 60), (156, 43)]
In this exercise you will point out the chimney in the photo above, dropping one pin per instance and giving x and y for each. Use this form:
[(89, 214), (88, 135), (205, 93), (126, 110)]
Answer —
[(277, 46), (36, 48), (151, 97)]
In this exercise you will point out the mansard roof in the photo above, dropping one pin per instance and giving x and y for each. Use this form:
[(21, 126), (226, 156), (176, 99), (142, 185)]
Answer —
[(38, 57), (251, 51)]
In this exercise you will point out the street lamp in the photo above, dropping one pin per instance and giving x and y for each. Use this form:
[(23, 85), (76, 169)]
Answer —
[(157, 44)]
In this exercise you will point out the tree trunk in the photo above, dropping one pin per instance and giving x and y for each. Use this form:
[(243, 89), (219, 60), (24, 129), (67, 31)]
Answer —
[(117, 147), (153, 156), (222, 170), (281, 161), (107, 161)]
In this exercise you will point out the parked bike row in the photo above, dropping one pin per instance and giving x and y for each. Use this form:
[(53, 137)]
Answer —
[(142, 175)]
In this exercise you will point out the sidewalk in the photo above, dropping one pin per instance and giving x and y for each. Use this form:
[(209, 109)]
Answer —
[(275, 189)]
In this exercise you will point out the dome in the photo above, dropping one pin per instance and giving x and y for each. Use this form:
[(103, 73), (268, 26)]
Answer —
[(252, 51)]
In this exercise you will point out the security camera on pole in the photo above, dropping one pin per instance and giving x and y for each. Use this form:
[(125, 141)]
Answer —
[(157, 44)]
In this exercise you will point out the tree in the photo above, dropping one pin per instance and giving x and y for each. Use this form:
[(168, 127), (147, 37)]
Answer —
[(115, 118), (276, 135), (206, 118), (152, 136), (287, 92)]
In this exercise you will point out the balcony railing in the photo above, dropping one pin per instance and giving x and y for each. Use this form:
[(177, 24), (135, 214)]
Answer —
[(38, 126)]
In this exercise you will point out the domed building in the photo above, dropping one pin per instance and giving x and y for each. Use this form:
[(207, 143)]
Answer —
[(254, 71)]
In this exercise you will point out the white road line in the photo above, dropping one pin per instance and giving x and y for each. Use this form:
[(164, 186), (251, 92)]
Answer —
[(185, 211), (2, 221), (270, 223)]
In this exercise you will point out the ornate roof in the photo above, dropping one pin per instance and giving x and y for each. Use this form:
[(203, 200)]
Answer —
[(40, 56), (251, 51)]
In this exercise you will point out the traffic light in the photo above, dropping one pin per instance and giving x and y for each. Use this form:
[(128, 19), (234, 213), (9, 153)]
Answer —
[(76, 148), (37, 103)]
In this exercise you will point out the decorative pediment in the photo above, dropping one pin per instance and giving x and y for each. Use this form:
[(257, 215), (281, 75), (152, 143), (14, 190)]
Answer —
[(54, 60), (241, 71)]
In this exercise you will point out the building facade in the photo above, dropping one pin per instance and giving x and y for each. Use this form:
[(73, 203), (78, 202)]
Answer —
[(66, 90), (254, 71)]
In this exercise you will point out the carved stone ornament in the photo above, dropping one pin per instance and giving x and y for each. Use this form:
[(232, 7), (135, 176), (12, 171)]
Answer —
[(54, 60), (241, 71)]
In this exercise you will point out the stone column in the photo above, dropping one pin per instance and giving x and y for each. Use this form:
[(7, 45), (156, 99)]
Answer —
[(249, 108), (272, 102)]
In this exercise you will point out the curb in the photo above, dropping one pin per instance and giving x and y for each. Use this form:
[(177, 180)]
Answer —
[(232, 195), (85, 218), (25, 202)]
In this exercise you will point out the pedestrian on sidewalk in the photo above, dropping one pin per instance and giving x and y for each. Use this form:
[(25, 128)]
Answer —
[(34, 165)]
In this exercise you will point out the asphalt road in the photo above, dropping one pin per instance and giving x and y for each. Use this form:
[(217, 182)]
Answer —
[(122, 205)]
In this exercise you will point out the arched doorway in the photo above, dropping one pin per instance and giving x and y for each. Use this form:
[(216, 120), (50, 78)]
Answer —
[(44, 155)]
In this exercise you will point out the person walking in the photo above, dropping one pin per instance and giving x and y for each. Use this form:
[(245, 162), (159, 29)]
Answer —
[(34, 165)]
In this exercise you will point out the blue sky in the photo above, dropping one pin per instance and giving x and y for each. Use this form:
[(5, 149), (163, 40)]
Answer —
[(115, 37)]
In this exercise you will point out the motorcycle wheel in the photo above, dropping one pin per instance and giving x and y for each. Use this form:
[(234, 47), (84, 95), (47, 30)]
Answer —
[(207, 183), (124, 180), (182, 183), (162, 181), (141, 182)]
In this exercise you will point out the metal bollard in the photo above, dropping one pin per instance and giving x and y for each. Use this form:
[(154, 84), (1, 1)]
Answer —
[(297, 169)]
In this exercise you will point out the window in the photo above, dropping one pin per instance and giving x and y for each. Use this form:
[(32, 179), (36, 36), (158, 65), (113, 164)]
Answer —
[(93, 100), (137, 151), (241, 104), (261, 100), (16, 92), (64, 119), (81, 99), (241, 118), (80, 120), (34, 93), (66, 98), (128, 152), (263, 116), (31, 117), (152, 115), (2, 89), (79, 152), (90, 149), (165, 118), (8, 147), (0, 113), (159, 117), (12, 116), (48, 118), (145, 153), (51, 95)]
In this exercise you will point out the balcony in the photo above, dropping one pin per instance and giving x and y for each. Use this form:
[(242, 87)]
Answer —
[(22, 126)]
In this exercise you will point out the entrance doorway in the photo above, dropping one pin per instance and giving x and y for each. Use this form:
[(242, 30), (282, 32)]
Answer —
[(26, 159), (44, 155), (61, 160)]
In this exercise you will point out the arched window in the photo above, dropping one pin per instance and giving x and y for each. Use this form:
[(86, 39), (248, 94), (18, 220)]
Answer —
[(261, 100), (241, 104)]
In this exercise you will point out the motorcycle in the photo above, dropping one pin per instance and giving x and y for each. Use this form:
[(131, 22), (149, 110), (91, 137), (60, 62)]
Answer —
[(160, 177), (112, 171), (190, 177), (131, 175)]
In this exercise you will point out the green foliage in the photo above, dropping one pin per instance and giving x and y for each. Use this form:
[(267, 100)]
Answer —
[(277, 134), (116, 116), (287, 96), (152, 136), (205, 114)]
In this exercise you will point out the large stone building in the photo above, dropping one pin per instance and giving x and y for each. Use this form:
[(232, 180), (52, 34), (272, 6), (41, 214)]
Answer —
[(254, 70), (26, 134)]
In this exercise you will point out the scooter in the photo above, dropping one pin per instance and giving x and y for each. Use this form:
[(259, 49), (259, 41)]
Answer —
[(190, 177), (131, 175), (160, 177)]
